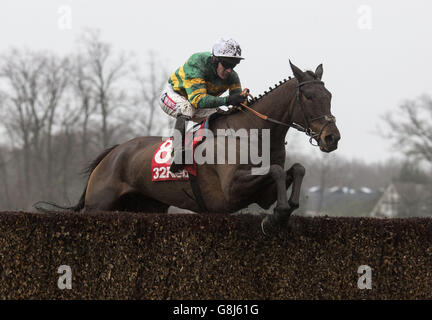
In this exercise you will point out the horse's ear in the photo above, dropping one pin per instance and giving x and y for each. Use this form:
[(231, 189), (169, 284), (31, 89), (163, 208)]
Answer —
[(319, 71), (297, 72)]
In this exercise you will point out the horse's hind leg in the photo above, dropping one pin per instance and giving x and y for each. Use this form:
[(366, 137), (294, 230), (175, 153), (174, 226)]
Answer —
[(104, 200), (120, 196), (105, 196)]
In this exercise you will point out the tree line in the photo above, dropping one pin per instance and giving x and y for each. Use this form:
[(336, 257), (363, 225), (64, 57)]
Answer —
[(58, 112)]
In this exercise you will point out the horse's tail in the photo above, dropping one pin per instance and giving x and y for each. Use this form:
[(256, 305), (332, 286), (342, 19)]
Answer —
[(80, 205)]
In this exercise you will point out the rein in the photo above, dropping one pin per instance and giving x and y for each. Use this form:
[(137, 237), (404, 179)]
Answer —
[(328, 118)]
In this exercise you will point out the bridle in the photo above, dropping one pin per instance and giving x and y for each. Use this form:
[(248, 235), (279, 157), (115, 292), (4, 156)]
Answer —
[(307, 130), (327, 117)]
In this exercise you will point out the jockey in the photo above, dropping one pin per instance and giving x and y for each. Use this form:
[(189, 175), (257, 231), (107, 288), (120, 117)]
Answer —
[(194, 89)]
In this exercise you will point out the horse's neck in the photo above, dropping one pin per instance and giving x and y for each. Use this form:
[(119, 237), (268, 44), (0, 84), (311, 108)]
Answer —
[(276, 104)]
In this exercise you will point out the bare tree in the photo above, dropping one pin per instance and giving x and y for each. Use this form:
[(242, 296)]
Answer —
[(56, 113), (85, 98), (33, 84), (150, 86), (104, 70), (410, 128), (67, 147), (4, 178), (22, 73), (55, 81)]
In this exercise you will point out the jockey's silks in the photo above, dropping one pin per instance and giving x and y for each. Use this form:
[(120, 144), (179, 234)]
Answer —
[(198, 82)]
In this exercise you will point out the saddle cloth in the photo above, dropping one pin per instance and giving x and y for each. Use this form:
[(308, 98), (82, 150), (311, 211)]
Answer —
[(162, 158)]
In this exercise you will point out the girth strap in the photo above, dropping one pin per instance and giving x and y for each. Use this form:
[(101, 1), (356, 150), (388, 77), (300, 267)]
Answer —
[(197, 192)]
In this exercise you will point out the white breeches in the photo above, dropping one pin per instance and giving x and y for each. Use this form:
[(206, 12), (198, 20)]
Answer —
[(175, 104)]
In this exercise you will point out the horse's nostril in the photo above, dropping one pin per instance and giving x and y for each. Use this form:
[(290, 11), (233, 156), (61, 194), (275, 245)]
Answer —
[(330, 139)]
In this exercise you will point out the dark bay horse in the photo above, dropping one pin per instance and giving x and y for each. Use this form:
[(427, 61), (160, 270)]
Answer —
[(121, 177)]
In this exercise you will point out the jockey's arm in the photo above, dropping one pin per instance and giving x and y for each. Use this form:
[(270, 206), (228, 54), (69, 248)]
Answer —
[(235, 89), (199, 97)]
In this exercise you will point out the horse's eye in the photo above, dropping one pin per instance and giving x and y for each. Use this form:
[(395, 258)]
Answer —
[(309, 97)]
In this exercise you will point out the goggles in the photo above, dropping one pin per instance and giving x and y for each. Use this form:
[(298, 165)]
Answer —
[(228, 65)]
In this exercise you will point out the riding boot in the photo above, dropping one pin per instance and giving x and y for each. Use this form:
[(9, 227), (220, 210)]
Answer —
[(178, 146)]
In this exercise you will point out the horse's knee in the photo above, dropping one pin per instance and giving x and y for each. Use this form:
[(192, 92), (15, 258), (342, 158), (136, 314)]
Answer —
[(294, 204), (276, 172), (298, 170)]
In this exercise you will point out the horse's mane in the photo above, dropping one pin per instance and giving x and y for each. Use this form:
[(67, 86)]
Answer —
[(256, 99), (259, 97)]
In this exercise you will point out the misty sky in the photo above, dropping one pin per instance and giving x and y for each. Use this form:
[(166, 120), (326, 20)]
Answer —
[(375, 54)]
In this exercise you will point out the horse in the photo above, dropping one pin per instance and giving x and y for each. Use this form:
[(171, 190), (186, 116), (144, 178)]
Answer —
[(120, 178)]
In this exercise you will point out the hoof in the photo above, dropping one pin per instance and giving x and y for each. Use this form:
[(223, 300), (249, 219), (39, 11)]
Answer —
[(281, 214), (265, 226), (269, 225)]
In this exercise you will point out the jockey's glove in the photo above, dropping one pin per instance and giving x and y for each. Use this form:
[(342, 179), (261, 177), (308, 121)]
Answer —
[(235, 99), (229, 111)]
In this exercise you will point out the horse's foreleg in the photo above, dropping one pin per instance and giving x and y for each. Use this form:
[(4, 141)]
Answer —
[(279, 176), (295, 176), (284, 209)]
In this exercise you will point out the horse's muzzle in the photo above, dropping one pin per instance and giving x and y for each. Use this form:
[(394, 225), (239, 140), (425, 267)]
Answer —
[(329, 142)]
